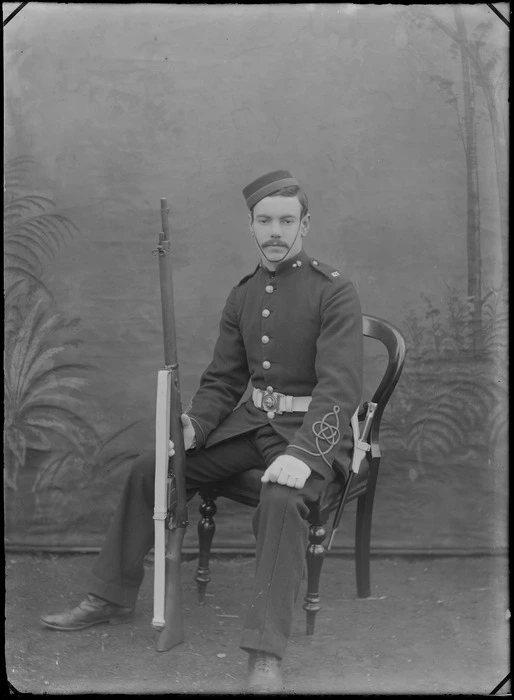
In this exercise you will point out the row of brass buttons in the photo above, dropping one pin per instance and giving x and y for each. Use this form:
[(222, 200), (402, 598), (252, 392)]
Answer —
[(269, 289), (266, 312)]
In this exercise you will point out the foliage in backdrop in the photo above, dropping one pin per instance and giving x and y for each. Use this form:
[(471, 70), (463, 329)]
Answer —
[(45, 427), (407, 170)]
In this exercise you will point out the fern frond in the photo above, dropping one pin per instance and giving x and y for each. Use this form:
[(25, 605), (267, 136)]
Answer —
[(19, 206), (14, 290), (31, 338), (17, 444), (17, 260), (52, 390), (37, 359), (67, 224), (53, 377), (23, 340), (439, 437), (41, 330), (37, 439), (64, 421), (31, 236), (17, 271), (20, 162), (453, 412), (48, 472), (45, 234), (54, 226)]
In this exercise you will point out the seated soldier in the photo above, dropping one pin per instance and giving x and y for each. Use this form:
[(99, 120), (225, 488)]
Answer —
[(293, 327)]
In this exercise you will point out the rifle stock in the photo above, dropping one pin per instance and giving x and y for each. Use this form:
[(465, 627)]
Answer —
[(170, 512)]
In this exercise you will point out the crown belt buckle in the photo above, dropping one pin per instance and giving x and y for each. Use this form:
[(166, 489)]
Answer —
[(271, 401)]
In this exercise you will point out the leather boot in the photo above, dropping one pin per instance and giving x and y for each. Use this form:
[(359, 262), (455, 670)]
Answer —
[(91, 611), (264, 674)]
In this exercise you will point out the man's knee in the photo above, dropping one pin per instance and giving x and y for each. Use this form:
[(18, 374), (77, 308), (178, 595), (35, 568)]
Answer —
[(283, 499)]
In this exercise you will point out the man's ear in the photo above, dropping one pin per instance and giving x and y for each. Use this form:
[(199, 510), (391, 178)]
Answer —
[(250, 223), (306, 224)]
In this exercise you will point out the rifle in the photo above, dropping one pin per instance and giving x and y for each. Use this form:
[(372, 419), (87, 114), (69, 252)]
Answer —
[(170, 506), (360, 448)]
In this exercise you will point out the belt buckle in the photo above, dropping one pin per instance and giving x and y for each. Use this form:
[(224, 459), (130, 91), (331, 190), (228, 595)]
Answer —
[(270, 401)]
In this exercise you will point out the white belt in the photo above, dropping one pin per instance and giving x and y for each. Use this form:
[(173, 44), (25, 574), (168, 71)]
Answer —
[(279, 403)]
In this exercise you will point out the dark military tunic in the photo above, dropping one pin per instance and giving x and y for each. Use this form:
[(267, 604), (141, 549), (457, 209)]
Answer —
[(299, 331)]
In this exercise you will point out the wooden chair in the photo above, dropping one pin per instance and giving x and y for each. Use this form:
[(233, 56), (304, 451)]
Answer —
[(245, 489)]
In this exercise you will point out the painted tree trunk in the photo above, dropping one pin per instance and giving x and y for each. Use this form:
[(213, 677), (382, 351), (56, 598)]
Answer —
[(473, 194), (498, 130)]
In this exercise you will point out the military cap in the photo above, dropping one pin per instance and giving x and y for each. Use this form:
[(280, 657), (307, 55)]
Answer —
[(266, 184)]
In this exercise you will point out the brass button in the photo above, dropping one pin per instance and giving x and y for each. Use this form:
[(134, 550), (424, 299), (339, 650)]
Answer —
[(269, 288), (271, 414), (270, 389), (266, 364), (315, 262), (299, 263), (265, 339), (266, 313)]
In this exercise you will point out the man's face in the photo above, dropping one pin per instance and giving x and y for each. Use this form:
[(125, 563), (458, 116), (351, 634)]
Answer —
[(278, 227)]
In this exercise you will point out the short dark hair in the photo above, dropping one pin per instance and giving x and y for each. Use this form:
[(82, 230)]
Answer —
[(291, 191)]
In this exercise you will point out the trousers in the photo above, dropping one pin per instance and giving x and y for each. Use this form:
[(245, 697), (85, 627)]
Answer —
[(279, 525)]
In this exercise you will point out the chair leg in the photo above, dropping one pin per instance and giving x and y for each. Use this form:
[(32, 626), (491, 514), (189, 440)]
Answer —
[(315, 556), (206, 529), (362, 543)]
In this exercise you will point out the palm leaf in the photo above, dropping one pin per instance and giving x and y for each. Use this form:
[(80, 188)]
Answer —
[(52, 389), (54, 226), (48, 472), (62, 421), (37, 439), (36, 362), (16, 259), (23, 341), (26, 233), (16, 442), (23, 349), (40, 406), (17, 445), (16, 287), (45, 379), (19, 162), (17, 207), (37, 335), (23, 272)]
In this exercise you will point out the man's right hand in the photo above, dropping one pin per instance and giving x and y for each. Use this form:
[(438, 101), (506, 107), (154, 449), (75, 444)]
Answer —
[(189, 432)]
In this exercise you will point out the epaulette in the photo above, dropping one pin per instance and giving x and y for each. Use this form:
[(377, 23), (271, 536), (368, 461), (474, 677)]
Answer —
[(247, 277), (325, 270)]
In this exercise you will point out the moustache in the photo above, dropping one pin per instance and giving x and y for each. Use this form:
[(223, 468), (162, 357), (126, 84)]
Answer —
[(275, 244)]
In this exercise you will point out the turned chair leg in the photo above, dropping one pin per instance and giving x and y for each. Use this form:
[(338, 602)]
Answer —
[(315, 556), (206, 528), (362, 543)]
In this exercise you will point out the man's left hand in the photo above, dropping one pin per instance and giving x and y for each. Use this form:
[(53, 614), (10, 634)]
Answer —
[(287, 471)]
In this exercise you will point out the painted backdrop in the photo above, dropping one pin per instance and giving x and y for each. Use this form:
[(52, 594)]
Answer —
[(394, 119)]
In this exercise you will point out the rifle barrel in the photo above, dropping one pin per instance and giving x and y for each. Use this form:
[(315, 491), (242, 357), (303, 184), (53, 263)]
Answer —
[(166, 282)]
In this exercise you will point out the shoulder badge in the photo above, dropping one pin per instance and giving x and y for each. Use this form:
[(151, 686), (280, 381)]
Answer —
[(325, 270), (247, 277)]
